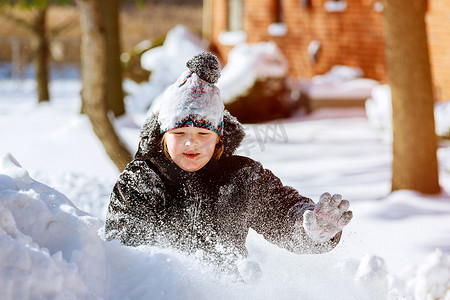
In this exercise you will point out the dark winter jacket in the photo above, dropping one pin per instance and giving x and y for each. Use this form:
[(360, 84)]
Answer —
[(209, 211)]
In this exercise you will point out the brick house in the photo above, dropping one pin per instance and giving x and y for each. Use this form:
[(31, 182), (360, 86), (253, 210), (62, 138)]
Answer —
[(315, 35)]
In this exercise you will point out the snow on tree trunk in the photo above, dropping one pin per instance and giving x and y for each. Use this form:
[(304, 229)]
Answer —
[(414, 141), (93, 73)]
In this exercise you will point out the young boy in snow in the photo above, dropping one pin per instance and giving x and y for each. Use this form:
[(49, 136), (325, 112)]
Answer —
[(186, 189)]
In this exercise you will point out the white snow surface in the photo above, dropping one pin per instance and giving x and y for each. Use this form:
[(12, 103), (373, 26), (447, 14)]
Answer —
[(55, 181), (246, 64), (340, 82)]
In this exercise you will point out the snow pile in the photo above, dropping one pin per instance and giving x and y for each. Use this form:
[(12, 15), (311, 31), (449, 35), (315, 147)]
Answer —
[(48, 248), (341, 82), (428, 281), (51, 250), (442, 118), (246, 64), (339, 74), (432, 279), (373, 275), (169, 60), (165, 63), (81, 189), (379, 111)]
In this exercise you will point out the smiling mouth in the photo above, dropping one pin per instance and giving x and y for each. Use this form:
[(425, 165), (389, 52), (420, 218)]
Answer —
[(191, 155)]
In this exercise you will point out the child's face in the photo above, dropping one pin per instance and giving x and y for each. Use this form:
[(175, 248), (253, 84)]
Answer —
[(191, 148)]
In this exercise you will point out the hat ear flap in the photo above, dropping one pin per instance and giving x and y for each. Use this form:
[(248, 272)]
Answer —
[(150, 137)]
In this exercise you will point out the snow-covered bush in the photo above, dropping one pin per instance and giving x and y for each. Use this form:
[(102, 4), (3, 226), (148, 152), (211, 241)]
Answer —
[(248, 63), (165, 63), (254, 84)]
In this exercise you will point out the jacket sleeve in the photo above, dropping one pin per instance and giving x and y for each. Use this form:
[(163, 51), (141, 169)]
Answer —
[(276, 212), (132, 211)]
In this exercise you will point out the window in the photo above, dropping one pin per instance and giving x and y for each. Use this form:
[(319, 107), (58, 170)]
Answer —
[(234, 33), (235, 14)]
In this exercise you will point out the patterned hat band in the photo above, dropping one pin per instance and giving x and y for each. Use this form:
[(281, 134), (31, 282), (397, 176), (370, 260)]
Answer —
[(196, 121)]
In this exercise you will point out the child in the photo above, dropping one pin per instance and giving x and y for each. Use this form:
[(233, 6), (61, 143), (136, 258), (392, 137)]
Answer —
[(186, 190)]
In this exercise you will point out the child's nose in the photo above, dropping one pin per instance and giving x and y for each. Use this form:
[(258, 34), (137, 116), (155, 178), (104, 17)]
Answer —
[(190, 140)]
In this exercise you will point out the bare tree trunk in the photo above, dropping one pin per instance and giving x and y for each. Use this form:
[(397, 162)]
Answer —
[(114, 91), (37, 26), (41, 52), (415, 164), (93, 73)]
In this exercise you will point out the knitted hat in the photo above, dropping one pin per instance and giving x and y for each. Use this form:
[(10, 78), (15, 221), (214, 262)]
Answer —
[(194, 100)]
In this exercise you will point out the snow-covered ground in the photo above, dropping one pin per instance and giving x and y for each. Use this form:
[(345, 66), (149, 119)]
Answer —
[(55, 181), (52, 248)]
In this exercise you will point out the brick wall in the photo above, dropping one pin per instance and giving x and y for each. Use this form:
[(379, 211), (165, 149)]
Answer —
[(438, 26), (353, 37)]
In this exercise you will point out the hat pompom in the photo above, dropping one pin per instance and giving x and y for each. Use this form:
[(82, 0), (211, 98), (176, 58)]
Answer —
[(206, 66)]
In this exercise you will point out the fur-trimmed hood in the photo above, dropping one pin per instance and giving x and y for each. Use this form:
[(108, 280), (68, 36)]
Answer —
[(150, 143)]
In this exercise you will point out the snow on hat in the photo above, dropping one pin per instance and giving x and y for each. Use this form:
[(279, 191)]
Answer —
[(194, 100)]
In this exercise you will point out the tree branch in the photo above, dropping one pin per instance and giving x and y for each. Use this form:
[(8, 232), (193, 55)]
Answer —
[(19, 21), (54, 32)]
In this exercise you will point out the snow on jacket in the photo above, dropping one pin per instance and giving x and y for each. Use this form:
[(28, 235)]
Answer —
[(209, 211)]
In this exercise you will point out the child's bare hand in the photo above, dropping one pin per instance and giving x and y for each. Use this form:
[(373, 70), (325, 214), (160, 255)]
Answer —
[(329, 216)]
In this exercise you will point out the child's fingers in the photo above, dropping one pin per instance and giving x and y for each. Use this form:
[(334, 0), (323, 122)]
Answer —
[(346, 218), (335, 200), (323, 201), (343, 206)]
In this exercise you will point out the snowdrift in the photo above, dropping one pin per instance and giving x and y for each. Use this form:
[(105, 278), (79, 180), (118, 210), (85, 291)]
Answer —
[(49, 249)]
